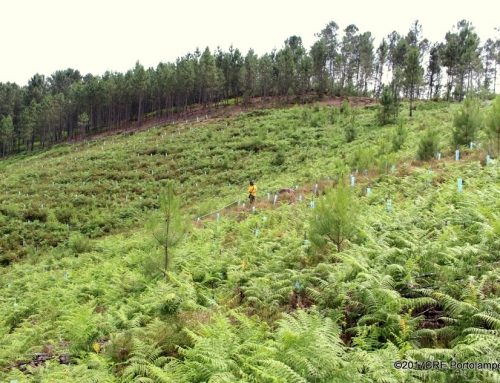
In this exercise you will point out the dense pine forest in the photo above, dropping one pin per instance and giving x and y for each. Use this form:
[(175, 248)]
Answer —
[(69, 105)]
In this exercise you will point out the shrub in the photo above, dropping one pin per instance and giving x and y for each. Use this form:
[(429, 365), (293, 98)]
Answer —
[(399, 137), (64, 214), (335, 218), (385, 162), (350, 131), (428, 145), (10, 211), (345, 108), (467, 122), (389, 107), (35, 213), (279, 159), (78, 243), (252, 145), (362, 158), (493, 124)]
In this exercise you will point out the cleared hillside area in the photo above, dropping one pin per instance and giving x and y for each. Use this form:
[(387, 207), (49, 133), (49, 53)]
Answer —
[(253, 296)]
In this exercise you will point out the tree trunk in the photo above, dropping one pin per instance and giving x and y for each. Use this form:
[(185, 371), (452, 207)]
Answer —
[(140, 111), (495, 79), (166, 260), (498, 144)]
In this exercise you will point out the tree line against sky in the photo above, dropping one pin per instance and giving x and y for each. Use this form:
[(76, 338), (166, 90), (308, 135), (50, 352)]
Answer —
[(68, 105)]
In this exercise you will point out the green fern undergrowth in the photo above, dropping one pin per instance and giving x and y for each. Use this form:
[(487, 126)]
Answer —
[(249, 298)]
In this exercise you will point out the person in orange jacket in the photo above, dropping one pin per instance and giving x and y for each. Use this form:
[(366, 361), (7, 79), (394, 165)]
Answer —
[(252, 192)]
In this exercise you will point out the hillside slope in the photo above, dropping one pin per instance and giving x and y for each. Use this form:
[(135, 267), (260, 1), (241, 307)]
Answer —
[(248, 299)]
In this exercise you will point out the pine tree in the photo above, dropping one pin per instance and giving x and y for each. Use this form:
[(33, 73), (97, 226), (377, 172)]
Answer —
[(412, 74), (467, 122), (168, 225), (350, 130), (382, 52), (319, 54), (334, 220), (389, 107), (399, 136), (6, 134), (493, 124), (434, 70), (249, 74), (428, 146)]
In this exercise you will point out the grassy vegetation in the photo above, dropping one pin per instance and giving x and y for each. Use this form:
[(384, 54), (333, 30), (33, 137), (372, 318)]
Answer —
[(249, 298)]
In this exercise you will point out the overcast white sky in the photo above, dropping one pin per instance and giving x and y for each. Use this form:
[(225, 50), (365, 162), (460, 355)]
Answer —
[(98, 35)]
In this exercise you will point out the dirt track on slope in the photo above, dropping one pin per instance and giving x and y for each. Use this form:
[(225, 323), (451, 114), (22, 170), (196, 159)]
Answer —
[(307, 192)]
